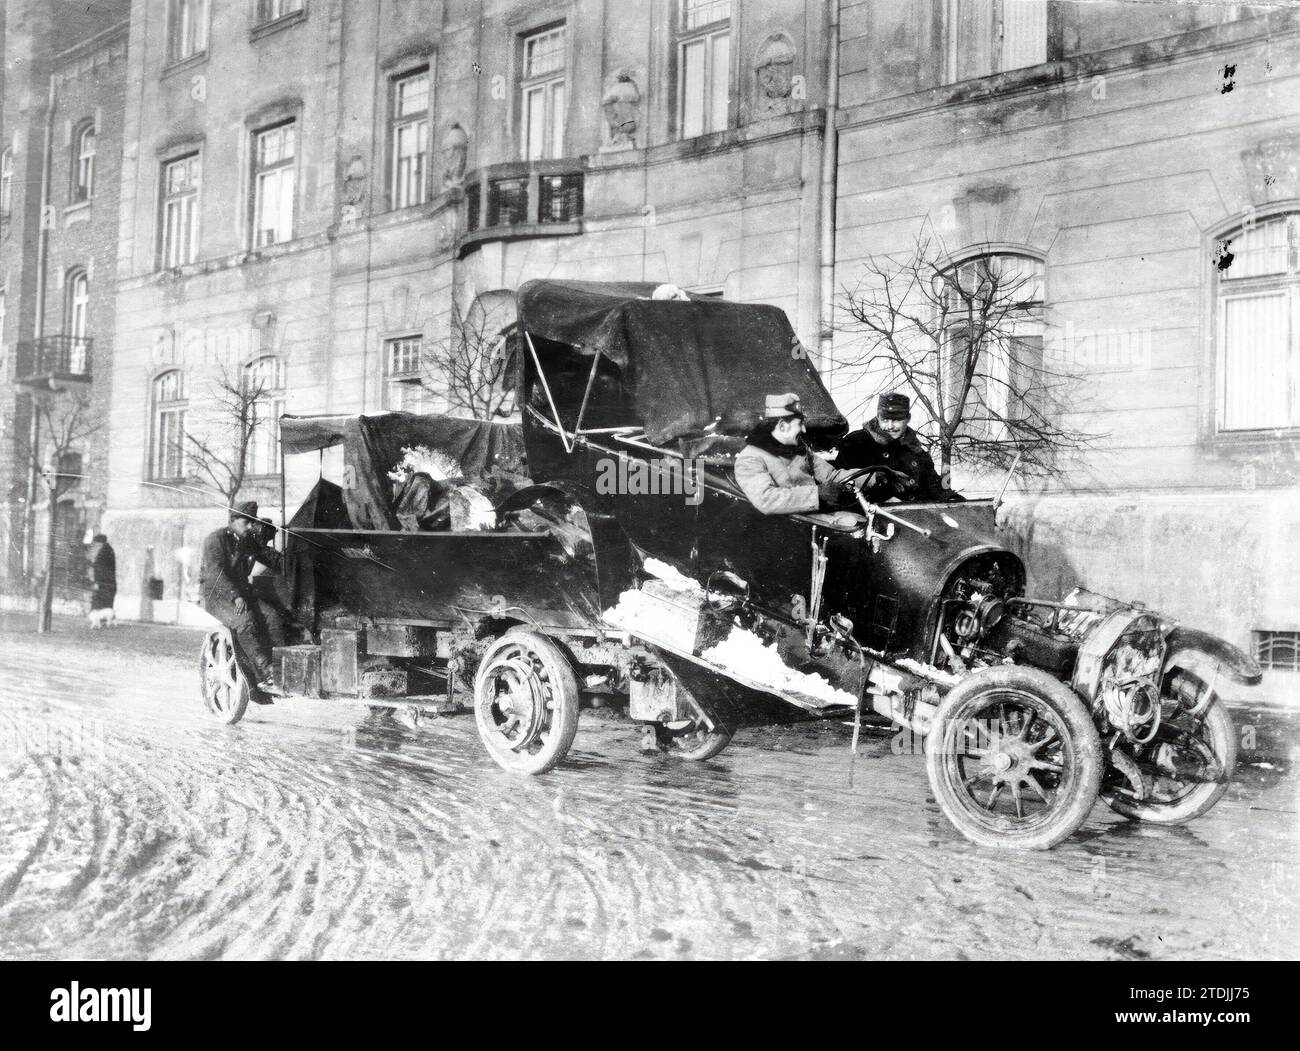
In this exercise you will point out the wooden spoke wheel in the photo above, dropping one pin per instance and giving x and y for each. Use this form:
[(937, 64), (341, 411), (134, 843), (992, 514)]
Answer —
[(1014, 758), (226, 690)]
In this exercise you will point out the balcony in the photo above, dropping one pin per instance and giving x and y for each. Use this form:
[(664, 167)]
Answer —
[(53, 360), (513, 202)]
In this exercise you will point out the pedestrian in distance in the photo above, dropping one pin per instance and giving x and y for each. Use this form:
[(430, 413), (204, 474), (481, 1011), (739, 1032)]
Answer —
[(101, 563)]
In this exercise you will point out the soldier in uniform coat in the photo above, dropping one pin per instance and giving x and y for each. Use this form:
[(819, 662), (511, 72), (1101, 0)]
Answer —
[(228, 595), (889, 457)]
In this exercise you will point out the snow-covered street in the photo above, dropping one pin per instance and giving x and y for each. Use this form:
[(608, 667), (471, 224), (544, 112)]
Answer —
[(131, 825)]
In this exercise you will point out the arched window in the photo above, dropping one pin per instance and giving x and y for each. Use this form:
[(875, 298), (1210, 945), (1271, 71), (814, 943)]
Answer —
[(167, 437), (76, 304), (1257, 308), (83, 162), (263, 387), (992, 356), (6, 183), (76, 310)]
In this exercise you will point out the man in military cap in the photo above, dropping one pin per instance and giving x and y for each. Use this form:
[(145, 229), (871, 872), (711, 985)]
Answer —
[(777, 471), (889, 458), (228, 557)]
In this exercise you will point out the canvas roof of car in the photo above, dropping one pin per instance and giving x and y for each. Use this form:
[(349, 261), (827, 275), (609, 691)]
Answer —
[(685, 363)]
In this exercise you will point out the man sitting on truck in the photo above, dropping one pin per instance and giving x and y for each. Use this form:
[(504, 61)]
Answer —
[(778, 472), (228, 557), (420, 503)]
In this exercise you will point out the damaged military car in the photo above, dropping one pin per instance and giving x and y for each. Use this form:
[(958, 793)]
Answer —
[(629, 569), (1030, 707)]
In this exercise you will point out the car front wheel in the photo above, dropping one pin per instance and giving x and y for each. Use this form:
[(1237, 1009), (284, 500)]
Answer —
[(1014, 758)]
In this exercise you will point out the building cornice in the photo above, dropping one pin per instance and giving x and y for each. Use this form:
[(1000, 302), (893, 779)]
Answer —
[(1179, 49), (101, 41)]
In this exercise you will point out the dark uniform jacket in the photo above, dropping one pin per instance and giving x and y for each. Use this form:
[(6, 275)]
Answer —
[(913, 475), (227, 562)]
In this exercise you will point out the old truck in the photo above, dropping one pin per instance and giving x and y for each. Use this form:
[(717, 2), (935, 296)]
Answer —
[(628, 568)]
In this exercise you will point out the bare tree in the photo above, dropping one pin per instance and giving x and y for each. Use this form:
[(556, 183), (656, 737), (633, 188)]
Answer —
[(470, 369), (219, 456), (965, 342), (65, 420)]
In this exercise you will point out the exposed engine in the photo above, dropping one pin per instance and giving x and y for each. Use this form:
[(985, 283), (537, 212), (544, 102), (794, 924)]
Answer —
[(1110, 652)]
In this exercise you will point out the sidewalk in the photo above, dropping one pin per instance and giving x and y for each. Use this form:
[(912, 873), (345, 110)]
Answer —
[(165, 642)]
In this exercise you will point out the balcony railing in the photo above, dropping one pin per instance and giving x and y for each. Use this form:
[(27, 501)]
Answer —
[(60, 358), (510, 201)]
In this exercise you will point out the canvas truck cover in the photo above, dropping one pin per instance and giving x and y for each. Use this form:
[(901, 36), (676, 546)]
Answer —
[(372, 446), (684, 364)]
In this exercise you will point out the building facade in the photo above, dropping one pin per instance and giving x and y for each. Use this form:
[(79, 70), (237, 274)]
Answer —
[(1143, 161), (312, 190), (59, 179)]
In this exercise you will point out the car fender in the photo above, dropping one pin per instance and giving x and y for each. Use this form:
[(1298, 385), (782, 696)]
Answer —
[(1183, 642)]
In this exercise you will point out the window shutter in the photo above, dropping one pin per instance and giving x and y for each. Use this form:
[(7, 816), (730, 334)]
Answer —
[(1254, 381), (975, 26), (1024, 33)]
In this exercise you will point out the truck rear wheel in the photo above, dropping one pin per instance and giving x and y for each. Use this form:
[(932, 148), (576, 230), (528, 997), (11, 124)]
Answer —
[(526, 702), (226, 689), (1014, 758)]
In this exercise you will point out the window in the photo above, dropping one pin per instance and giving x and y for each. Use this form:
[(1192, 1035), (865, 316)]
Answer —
[(507, 202), (167, 440), (559, 198), (1258, 305), (410, 139), (189, 28), (270, 10), (703, 66), (404, 357), (6, 183), (273, 185), (68, 473), (993, 36), (180, 211), (1007, 364), (84, 163), (1277, 650), (76, 307), (263, 382), (402, 360), (542, 95)]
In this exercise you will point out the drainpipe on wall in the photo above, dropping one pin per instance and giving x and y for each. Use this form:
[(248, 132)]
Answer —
[(830, 165), (38, 332)]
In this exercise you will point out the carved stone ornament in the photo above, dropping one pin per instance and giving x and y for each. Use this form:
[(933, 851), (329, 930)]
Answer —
[(901, 60), (621, 105), (455, 151), (354, 181), (774, 74), (1273, 169)]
